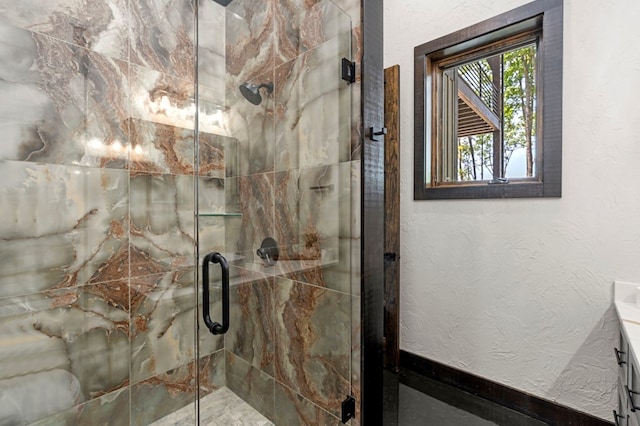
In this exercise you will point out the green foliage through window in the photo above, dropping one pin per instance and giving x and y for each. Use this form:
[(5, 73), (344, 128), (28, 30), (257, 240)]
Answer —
[(506, 85)]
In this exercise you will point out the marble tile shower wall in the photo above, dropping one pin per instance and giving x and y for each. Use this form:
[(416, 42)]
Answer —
[(97, 239), (292, 351), (97, 242)]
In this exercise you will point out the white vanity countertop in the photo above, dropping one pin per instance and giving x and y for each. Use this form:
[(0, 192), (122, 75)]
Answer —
[(629, 314)]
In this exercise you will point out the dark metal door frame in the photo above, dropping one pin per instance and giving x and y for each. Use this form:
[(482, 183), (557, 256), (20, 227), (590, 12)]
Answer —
[(372, 252)]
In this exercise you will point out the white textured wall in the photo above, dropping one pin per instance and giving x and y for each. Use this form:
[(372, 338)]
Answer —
[(520, 291)]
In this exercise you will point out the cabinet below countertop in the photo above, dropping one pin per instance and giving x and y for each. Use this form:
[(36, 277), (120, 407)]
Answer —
[(626, 353)]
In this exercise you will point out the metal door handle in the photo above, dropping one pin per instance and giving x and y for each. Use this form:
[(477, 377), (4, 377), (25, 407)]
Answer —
[(215, 327)]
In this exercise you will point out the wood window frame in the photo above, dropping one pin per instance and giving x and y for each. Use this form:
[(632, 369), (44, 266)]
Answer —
[(544, 16)]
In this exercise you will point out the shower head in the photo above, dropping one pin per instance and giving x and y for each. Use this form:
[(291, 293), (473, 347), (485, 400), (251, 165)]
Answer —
[(251, 92), (224, 3)]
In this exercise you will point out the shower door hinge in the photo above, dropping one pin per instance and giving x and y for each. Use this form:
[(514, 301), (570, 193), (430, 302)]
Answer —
[(348, 409), (348, 71)]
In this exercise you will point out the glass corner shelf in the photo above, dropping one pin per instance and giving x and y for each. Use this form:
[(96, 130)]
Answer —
[(220, 214)]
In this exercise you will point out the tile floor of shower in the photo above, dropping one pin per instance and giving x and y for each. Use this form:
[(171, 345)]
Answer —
[(409, 400), (220, 408)]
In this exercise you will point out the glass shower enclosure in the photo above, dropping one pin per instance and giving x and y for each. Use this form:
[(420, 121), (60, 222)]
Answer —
[(180, 222)]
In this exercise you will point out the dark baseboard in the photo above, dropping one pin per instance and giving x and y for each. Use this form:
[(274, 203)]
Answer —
[(533, 406)]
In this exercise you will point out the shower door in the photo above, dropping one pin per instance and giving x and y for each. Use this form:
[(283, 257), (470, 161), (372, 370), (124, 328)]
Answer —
[(97, 237), (110, 201), (274, 213)]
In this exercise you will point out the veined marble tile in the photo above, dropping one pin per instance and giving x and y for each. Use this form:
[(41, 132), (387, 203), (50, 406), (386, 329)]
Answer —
[(313, 342), (249, 39), (252, 385), (60, 348), (302, 25), (287, 215), (313, 108), (100, 25), (212, 372), (211, 46), (170, 398), (112, 408), (294, 409), (321, 212), (312, 208), (168, 149), (344, 273), (253, 127), (211, 233), (214, 111), (255, 136), (162, 319), (162, 127), (249, 59), (162, 98), (161, 149), (300, 248), (175, 391), (214, 151), (250, 335), (25, 401), (162, 36), (339, 275), (306, 271), (256, 202), (162, 223), (233, 227), (63, 226), (247, 274), (212, 218), (211, 195), (60, 103), (161, 395), (232, 158)]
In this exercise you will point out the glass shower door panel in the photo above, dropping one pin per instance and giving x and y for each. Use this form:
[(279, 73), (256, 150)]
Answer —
[(312, 218), (274, 198), (97, 300), (213, 147)]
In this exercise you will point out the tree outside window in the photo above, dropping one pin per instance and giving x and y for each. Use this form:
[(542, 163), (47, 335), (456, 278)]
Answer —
[(514, 82)]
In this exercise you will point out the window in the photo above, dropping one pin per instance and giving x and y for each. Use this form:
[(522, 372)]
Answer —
[(488, 108)]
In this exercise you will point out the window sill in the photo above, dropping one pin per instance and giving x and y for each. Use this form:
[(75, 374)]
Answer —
[(484, 190)]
